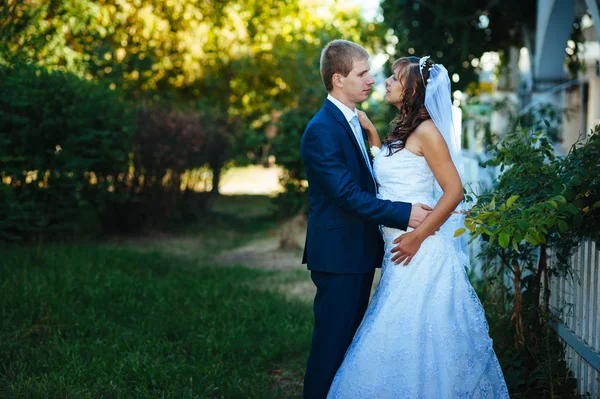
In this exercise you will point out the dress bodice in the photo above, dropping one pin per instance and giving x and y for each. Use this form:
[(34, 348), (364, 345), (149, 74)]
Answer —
[(404, 176)]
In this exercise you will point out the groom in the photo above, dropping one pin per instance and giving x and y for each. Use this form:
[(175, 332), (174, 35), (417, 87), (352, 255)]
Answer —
[(343, 243)]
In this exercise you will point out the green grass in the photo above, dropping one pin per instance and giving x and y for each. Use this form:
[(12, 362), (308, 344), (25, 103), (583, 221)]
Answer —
[(102, 322)]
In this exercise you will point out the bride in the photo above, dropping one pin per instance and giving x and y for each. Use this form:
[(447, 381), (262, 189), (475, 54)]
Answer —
[(424, 334)]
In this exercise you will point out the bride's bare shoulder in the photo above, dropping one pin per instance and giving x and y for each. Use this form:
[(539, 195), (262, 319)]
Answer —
[(427, 129)]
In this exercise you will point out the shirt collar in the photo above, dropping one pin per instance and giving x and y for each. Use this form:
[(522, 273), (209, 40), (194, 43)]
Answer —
[(348, 113)]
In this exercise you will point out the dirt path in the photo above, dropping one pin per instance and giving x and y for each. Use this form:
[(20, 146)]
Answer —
[(269, 253), (281, 249)]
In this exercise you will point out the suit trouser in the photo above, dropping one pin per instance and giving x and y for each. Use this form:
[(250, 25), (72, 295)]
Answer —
[(339, 306)]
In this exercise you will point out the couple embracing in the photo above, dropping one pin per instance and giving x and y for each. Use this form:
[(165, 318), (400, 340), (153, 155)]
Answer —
[(393, 205)]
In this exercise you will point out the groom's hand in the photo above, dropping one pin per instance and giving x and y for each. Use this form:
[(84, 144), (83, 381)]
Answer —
[(408, 245), (418, 213)]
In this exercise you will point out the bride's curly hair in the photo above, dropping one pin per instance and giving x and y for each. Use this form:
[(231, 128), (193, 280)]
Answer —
[(412, 109)]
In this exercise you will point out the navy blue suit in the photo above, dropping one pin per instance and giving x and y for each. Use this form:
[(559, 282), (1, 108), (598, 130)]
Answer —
[(343, 243)]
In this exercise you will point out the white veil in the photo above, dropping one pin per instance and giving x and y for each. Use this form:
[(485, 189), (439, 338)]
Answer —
[(438, 102)]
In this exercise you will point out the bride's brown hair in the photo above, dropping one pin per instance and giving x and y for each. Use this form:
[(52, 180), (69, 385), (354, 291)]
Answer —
[(412, 110)]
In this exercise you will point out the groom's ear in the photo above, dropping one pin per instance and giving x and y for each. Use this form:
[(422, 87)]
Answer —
[(337, 80)]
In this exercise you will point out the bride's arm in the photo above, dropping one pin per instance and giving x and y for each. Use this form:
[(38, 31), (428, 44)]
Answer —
[(434, 148), (372, 135)]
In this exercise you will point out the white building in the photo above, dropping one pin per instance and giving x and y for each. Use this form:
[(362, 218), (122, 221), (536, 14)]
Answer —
[(538, 75), (550, 80)]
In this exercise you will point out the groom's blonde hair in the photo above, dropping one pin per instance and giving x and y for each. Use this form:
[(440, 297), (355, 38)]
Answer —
[(337, 57)]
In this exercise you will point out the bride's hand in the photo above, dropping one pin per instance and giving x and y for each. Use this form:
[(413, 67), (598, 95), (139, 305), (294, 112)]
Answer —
[(366, 123), (408, 245)]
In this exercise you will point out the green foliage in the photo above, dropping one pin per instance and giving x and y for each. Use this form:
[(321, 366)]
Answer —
[(539, 197), (227, 70), (539, 202), (244, 58), (39, 32), (456, 32), (168, 147), (63, 142), (287, 149), (92, 322)]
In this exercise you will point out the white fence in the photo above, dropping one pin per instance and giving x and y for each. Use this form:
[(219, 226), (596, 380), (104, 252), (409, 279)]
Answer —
[(576, 303)]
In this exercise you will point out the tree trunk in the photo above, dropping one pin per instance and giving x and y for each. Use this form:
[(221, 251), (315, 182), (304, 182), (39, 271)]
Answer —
[(518, 306), (543, 268), (216, 178)]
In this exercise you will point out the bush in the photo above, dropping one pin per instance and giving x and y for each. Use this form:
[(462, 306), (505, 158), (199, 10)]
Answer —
[(63, 143), (539, 202), (168, 146)]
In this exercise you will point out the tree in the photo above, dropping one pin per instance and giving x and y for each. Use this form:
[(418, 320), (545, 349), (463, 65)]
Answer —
[(240, 59), (241, 64), (38, 31), (455, 32)]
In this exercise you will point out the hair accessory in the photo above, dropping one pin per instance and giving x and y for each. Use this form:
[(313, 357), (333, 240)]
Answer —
[(422, 62)]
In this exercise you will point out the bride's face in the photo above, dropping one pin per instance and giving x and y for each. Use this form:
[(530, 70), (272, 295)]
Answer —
[(394, 89)]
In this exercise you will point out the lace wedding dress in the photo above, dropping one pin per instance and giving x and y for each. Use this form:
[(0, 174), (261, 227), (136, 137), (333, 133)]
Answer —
[(424, 334)]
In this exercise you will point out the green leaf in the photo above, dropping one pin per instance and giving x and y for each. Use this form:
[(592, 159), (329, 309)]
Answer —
[(503, 240), (531, 238), (570, 195), (558, 187), (471, 226), (562, 226), (560, 199), (493, 203), (515, 244), (553, 203), (518, 237), (512, 200), (572, 209), (459, 232), (523, 225), (542, 238)]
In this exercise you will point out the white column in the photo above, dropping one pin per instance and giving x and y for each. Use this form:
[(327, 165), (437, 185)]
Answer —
[(593, 118), (554, 24)]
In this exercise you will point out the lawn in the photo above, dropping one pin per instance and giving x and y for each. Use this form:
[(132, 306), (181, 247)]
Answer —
[(111, 321)]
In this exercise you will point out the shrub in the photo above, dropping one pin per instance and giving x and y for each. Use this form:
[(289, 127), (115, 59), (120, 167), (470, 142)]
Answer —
[(540, 201), (63, 142), (165, 144)]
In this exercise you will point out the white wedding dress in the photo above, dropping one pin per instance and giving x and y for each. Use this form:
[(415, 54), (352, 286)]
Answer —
[(424, 334)]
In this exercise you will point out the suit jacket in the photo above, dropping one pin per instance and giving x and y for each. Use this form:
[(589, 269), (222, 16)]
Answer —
[(343, 234)]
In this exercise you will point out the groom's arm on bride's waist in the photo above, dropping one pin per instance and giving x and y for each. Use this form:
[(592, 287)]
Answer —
[(324, 160)]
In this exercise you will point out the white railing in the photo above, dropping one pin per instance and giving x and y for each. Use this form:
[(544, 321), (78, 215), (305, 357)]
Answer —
[(575, 300)]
